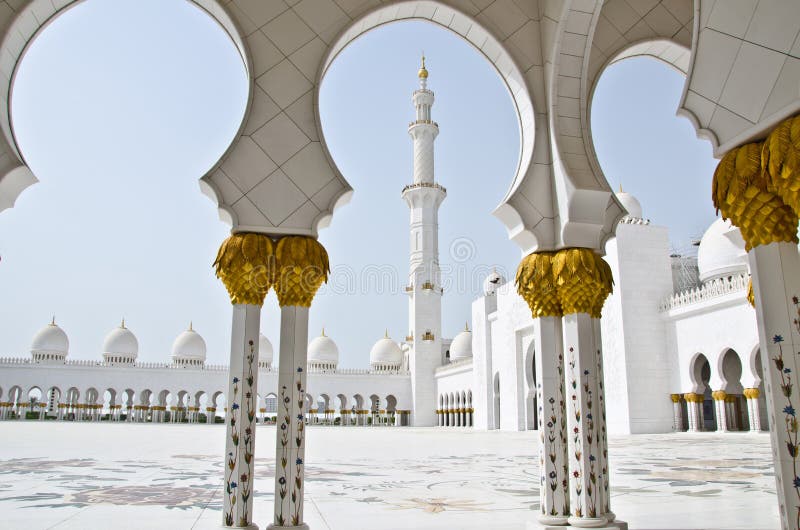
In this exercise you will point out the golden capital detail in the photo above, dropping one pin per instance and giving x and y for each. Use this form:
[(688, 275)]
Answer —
[(719, 395), (571, 280), (751, 295), (744, 191), (751, 393), (676, 398), (692, 397), (249, 264)]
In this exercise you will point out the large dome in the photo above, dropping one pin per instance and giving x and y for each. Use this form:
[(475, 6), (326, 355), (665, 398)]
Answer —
[(386, 351), (461, 347), (721, 252), (265, 351), (50, 339), (323, 350), (492, 282), (630, 203), (121, 341), (189, 345)]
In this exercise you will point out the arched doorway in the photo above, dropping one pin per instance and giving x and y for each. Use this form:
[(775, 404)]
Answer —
[(735, 402)]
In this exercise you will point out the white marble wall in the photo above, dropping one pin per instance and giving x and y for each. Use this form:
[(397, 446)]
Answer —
[(638, 365)]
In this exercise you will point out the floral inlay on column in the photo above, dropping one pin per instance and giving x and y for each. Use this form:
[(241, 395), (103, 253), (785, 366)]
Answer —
[(297, 488), (789, 413), (576, 436)]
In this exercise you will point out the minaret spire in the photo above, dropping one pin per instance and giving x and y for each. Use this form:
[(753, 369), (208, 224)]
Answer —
[(424, 196), (423, 74)]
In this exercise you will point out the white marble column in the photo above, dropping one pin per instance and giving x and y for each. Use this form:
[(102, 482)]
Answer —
[(290, 445), (775, 271), (240, 432), (753, 412), (677, 415), (582, 410), (720, 410), (553, 479), (603, 478)]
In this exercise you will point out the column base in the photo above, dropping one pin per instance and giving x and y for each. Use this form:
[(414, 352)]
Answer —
[(251, 526), (542, 525), (302, 526), (552, 520), (588, 522)]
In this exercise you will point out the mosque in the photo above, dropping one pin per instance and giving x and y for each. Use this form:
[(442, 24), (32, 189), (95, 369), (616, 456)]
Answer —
[(617, 336), (680, 345)]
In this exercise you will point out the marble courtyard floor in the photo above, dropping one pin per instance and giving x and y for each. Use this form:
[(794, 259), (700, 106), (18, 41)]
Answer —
[(98, 476)]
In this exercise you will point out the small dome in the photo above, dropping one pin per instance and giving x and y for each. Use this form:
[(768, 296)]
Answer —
[(630, 203), (265, 351), (50, 339), (121, 341), (721, 251), (189, 345), (323, 350), (386, 351), (492, 282), (461, 347)]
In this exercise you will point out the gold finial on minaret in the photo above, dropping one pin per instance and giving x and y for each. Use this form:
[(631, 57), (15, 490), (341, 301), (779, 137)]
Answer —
[(423, 72)]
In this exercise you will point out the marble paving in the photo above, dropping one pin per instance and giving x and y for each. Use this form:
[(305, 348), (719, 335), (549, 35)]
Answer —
[(142, 476)]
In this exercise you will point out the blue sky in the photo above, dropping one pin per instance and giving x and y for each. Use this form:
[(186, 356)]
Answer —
[(119, 125)]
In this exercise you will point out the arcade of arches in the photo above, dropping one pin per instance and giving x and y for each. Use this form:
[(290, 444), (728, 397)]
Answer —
[(740, 94)]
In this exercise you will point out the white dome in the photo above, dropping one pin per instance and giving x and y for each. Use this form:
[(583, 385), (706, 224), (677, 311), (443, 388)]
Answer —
[(630, 203), (189, 345), (721, 251), (265, 351), (121, 341), (386, 351), (50, 339), (461, 347), (323, 350), (492, 282)]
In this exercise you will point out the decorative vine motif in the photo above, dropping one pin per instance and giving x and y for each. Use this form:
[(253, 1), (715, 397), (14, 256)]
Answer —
[(576, 436), (591, 488), (280, 520), (542, 449), (789, 412), (603, 435), (249, 440), (233, 456), (562, 434), (297, 489)]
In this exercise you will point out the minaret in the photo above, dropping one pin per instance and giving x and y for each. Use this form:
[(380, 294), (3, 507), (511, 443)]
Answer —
[(424, 288)]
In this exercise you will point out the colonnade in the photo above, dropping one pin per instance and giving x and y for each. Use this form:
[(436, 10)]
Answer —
[(726, 413), (565, 291), (249, 265), (461, 417)]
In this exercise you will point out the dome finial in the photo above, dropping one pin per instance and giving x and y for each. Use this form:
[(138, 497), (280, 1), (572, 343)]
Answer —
[(423, 72), (466, 325), (191, 327), (323, 332), (53, 322), (122, 324), (386, 333), (620, 188)]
